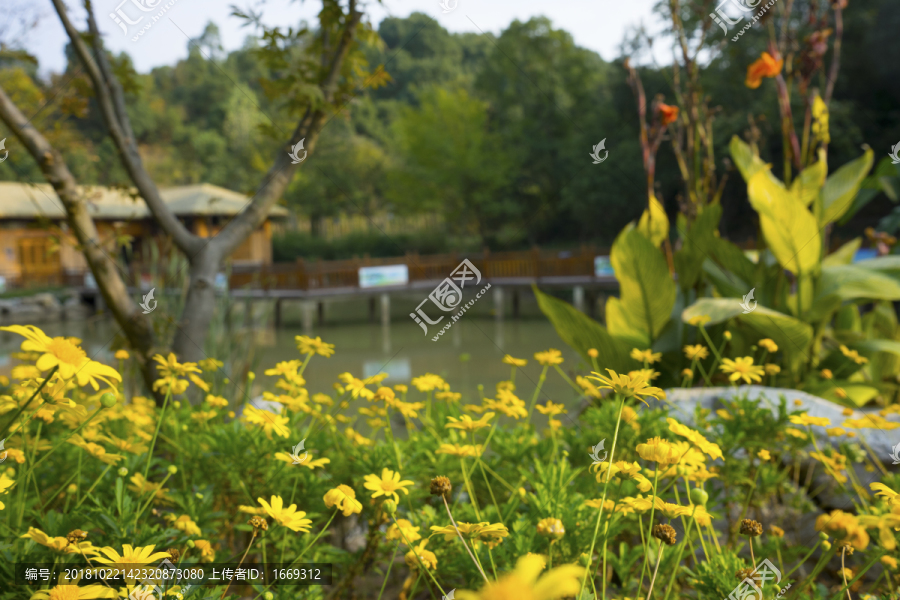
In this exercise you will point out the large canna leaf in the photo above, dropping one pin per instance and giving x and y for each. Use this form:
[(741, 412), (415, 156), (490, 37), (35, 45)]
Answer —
[(843, 185), (792, 335), (747, 162), (654, 223), (888, 265), (582, 333), (647, 291), (843, 255), (809, 182), (839, 284), (790, 229)]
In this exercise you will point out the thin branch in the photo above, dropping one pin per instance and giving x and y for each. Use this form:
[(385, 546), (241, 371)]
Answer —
[(127, 149)]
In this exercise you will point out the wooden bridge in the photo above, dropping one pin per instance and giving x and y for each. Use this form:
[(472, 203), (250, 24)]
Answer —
[(313, 281), (316, 280), (306, 279)]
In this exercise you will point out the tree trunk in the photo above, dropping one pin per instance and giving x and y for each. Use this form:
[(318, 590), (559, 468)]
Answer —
[(199, 306), (133, 323)]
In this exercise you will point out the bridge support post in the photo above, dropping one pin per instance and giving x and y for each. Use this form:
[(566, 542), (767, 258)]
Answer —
[(385, 309), (498, 303), (578, 298), (277, 314), (515, 304), (309, 309)]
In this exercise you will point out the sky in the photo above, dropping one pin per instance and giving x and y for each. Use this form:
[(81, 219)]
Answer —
[(595, 24)]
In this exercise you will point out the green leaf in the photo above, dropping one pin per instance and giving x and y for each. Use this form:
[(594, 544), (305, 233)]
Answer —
[(793, 336), (789, 227), (747, 162), (868, 346), (842, 186), (699, 244), (889, 265), (654, 223), (808, 184), (647, 291), (582, 333), (843, 283), (843, 255)]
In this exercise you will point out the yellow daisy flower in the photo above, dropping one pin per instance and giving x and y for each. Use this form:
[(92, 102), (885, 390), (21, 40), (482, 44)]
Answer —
[(647, 356), (141, 555), (61, 352), (308, 345), (549, 358), (403, 531), (516, 362), (387, 485), (696, 352), (289, 517), (628, 386), (467, 423), (742, 368), (523, 583), (269, 422), (344, 498)]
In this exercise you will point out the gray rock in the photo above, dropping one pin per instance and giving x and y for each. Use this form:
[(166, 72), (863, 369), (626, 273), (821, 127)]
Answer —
[(685, 401)]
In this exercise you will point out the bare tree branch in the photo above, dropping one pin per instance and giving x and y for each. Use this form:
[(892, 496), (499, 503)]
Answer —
[(125, 145), (134, 323)]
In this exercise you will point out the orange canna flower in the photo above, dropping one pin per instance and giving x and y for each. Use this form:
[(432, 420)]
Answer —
[(765, 66), (668, 114)]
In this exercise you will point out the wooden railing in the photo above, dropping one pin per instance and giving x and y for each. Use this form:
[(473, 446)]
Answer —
[(317, 274)]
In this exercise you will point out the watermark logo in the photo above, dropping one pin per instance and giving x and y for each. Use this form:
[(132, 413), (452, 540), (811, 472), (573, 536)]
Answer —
[(121, 18), (746, 303), (596, 153), (447, 296), (149, 590), (296, 159), (6, 152), (751, 587), (895, 153), (148, 298), (895, 454), (723, 16), (448, 5), (449, 595), (595, 452), (295, 453), (5, 452)]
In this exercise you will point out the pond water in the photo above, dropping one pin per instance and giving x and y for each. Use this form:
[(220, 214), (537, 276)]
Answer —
[(468, 354)]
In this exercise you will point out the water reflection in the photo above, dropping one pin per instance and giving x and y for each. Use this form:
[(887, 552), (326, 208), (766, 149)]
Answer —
[(469, 356)]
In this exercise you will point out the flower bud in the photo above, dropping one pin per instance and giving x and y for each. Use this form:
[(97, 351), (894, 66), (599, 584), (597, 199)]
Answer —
[(268, 596), (123, 471), (108, 400), (584, 560), (699, 496), (389, 506), (191, 544), (177, 404), (172, 469), (199, 496), (251, 376), (728, 335), (72, 488), (823, 536)]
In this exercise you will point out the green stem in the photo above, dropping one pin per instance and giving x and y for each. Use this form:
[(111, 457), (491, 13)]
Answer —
[(388, 574), (162, 414), (25, 406), (612, 453), (91, 489), (316, 539), (650, 527), (537, 392)]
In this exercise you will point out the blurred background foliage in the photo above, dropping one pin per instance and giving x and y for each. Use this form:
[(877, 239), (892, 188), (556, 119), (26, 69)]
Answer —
[(489, 134)]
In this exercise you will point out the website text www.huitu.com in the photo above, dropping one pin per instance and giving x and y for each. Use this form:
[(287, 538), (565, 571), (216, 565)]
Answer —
[(462, 311)]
